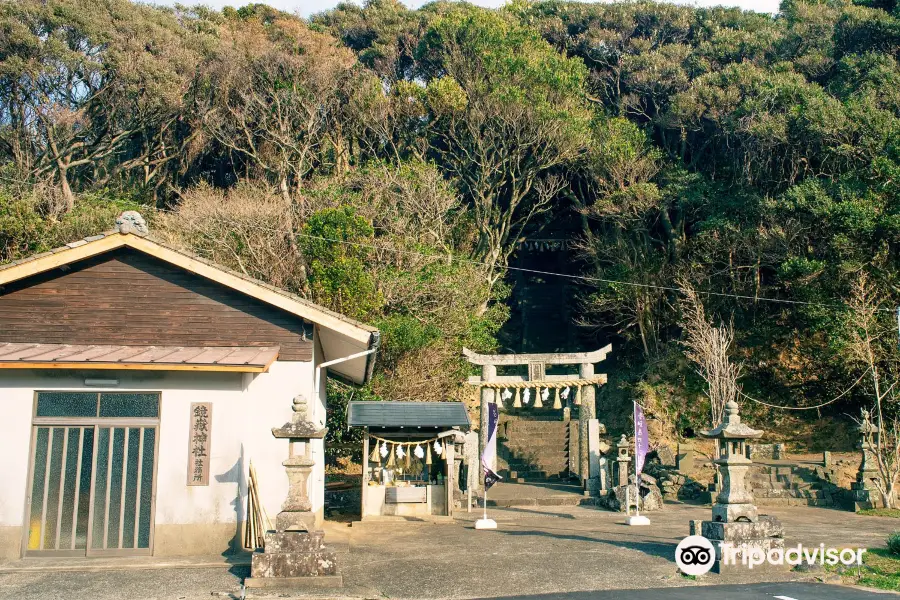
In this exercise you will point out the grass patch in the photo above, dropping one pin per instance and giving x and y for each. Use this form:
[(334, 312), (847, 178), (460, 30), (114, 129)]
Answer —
[(894, 513), (880, 569)]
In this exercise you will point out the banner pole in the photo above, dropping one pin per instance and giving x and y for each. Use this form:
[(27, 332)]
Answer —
[(637, 485), (485, 503)]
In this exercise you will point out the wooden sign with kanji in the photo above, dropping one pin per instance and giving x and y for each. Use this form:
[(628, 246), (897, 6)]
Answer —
[(198, 445)]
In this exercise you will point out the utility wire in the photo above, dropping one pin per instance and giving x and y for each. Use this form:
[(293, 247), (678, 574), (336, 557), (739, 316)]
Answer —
[(525, 270), (536, 271), (832, 401)]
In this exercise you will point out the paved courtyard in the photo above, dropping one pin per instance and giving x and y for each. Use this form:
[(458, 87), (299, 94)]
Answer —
[(536, 551)]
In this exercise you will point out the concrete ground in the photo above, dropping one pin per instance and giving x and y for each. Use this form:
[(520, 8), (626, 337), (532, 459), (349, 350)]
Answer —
[(757, 591), (560, 552)]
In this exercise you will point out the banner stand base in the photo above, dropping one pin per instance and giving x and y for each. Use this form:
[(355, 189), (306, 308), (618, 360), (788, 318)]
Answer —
[(486, 524), (636, 520)]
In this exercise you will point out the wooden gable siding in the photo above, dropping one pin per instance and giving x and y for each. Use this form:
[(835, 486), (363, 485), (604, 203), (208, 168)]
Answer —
[(126, 297)]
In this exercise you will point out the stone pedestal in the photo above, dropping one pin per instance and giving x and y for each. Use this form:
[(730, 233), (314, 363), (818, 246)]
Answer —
[(743, 537), (294, 554), (294, 558)]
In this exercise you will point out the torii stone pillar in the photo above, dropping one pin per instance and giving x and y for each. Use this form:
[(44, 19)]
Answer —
[(587, 411)]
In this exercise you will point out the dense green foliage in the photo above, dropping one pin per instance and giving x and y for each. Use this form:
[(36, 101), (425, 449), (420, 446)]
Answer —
[(893, 543), (386, 161)]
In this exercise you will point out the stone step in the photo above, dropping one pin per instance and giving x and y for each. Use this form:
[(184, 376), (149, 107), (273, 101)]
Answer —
[(525, 454), (535, 428), (532, 474), (789, 493), (533, 443), (537, 464), (793, 502), (534, 456), (561, 500), (774, 470), (551, 467), (784, 485)]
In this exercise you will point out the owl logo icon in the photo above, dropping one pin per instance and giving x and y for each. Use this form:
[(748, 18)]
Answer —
[(695, 555)]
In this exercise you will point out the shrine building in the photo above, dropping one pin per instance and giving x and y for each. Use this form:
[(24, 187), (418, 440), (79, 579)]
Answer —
[(138, 382)]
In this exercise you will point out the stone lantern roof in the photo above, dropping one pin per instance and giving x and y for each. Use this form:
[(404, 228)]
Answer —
[(731, 427)]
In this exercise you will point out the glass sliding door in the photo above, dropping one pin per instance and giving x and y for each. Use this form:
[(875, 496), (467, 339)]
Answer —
[(92, 474)]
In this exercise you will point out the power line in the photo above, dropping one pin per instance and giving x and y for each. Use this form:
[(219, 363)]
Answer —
[(539, 272), (525, 270), (832, 401)]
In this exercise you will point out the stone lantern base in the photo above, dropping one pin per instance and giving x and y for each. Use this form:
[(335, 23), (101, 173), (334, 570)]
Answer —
[(864, 497), (767, 533), (294, 559)]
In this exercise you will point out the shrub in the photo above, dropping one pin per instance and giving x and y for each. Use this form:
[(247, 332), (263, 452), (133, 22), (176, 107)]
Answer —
[(893, 543)]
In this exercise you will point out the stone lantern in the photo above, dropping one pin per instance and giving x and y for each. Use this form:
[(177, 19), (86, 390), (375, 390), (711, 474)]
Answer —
[(295, 553), (736, 522), (865, 493), (735, 501), (622, 461)]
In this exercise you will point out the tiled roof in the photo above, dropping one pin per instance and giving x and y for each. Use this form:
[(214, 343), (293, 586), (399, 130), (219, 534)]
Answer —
[(36, 356), (407, 414)]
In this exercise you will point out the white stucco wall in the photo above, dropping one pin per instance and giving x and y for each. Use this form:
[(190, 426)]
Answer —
[(245, 409)]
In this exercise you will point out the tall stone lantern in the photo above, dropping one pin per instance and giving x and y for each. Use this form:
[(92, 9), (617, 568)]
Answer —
[(295, 552), (736, 522), (735, 501), (623, 459), (865, 493)]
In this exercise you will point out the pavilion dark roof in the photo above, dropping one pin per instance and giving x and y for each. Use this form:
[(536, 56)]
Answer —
[(407, 414)]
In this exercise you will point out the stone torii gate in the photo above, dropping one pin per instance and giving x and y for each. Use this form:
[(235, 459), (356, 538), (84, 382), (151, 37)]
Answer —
[(491, 383)]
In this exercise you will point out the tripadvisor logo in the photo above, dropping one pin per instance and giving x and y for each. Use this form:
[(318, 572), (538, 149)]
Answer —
[(695, 555)]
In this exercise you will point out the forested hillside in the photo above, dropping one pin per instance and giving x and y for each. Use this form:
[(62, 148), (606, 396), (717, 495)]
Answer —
[(386, 162)]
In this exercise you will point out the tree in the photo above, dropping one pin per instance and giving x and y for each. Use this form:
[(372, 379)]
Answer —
[(247, 228), (506, 111), (89, 90), (709, 347), (272, 93), (868, 348)]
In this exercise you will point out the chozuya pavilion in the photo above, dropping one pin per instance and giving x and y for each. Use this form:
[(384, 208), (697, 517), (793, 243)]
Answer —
[(409, 457), (138, 382)]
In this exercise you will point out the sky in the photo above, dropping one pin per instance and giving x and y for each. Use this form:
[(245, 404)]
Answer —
[(308, 7)]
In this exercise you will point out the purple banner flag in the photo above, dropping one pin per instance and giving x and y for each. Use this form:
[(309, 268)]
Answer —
[(490, 447), (641, 439)]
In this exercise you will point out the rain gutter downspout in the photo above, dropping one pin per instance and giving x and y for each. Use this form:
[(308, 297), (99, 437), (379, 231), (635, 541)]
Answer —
[(374, 343)]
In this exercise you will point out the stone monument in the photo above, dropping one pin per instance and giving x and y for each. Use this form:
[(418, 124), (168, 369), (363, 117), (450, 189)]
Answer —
[(623, 459), (735, 519), (294, 553), (865, 493)]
